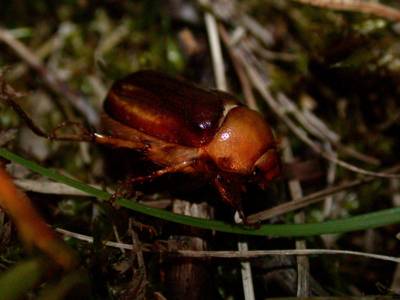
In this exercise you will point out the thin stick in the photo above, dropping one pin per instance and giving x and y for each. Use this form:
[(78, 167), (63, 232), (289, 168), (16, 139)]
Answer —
[(50, 46), (369, 7), (49, 187), (216, 53), (232, 254), (310, 199), (116, 234), (330, 179), (244, 81), (318, 128), (290, 252), (51, 79), (303, 265), (136, 243)]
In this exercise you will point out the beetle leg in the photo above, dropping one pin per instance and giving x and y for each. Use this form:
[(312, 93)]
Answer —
[(230, 191), (125, 188), (170, 169)]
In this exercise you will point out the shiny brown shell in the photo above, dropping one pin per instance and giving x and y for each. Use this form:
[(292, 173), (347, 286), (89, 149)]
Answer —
[(170, 109)]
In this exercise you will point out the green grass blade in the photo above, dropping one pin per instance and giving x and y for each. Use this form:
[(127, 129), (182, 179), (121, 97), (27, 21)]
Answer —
[(370, 220)]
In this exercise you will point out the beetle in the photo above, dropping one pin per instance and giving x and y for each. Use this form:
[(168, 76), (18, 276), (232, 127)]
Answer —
[(184, 128), (187, 129)]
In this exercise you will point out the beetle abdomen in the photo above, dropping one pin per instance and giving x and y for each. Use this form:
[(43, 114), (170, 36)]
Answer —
[(170, 109)]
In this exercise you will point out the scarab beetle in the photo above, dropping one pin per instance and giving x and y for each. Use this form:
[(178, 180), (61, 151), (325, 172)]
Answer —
[(187, 129), (184, 128)]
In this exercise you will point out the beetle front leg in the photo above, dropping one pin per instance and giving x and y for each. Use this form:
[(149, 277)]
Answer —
[(230, 190)]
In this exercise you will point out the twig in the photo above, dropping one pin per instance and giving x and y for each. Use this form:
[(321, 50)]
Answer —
[(56, 188), (271, 55), (48, 47), (216, 53), (369, 7), (330, 179), (111, 39), (234, 15), (48, 187), (303, 265), (89, 239), (50, 78), (310, 199), (116, 234), (258, 31), (262, 253), (136, 243), (232, 254), (319, 129), (247, 278), (244, 81)]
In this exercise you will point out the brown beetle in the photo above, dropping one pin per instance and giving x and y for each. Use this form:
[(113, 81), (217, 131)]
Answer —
[(187, 129)]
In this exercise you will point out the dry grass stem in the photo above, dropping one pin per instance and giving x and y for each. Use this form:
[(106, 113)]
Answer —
[(250, 254), (366, 7), (216, 53), (303, 265), (52, 79), (289, 206)]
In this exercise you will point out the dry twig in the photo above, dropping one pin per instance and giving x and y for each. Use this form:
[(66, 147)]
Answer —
[(289, 206), (232, 254), (366, 7), (52, 80), (303, 265)]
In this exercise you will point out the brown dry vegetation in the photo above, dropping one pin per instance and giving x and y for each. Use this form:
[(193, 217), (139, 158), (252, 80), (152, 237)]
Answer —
[(325, 77)]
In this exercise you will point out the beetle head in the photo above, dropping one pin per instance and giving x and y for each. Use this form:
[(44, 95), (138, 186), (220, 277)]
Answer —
[(267, 168)]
